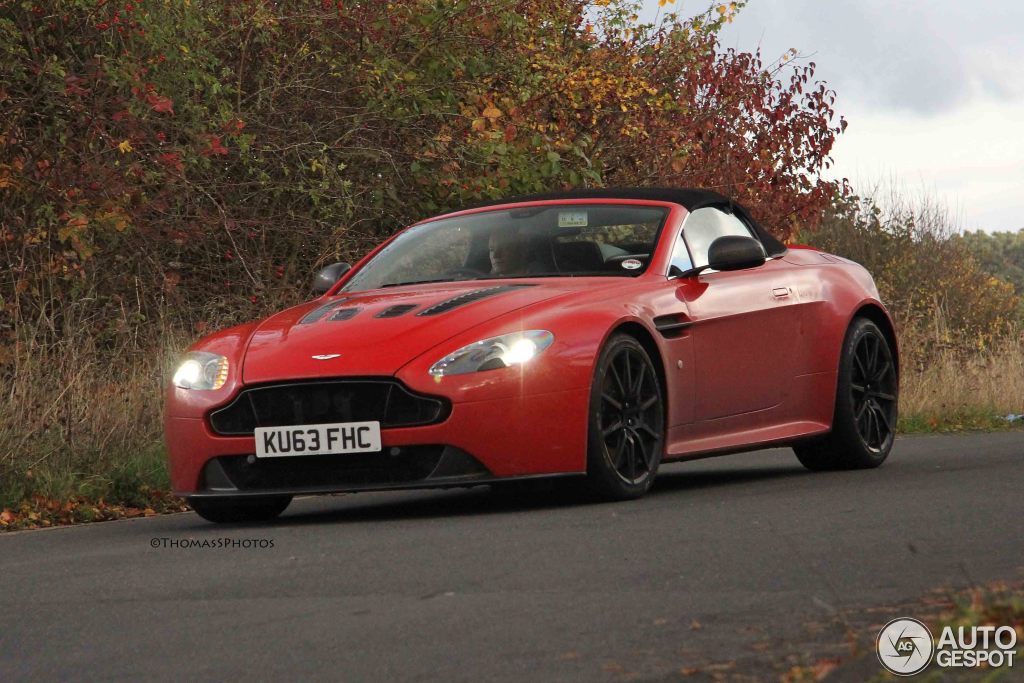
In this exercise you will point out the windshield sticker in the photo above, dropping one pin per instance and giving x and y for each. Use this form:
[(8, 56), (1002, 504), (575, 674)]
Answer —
[(631, 264), (572, 219)]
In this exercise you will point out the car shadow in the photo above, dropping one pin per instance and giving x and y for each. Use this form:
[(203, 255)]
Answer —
[(483, 500), (673, 480)]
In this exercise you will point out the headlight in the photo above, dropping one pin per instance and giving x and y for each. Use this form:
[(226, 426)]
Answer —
[(516, 348), (201, 370)]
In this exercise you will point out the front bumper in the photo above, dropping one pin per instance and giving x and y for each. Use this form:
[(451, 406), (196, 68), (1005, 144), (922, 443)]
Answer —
[(480, 441)]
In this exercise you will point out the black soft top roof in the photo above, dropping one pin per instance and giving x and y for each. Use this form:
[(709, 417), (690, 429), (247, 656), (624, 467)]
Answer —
[(690, 199)]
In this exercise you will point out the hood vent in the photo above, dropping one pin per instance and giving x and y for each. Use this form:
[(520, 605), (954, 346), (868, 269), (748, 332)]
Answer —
[(395, 311), (321, 311), (468, 298), (345, 314)]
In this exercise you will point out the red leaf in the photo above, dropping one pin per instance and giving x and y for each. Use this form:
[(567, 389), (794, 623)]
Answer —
[(159, 103), (214, 146), (171, 160)]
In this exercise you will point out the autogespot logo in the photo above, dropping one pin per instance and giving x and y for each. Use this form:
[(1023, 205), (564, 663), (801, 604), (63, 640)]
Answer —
[(905, 646)]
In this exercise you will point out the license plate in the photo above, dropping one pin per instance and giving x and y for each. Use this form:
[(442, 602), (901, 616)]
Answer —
[(329, 439)]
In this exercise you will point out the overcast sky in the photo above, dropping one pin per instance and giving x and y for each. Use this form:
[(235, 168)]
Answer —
[(933, 91)]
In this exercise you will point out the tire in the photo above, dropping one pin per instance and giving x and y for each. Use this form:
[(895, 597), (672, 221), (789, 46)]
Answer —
[(626, 425), (240, 509), (867, 396)]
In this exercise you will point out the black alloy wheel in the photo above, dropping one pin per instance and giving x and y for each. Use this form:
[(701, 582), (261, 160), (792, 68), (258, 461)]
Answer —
[(627, 421), (867, 397), (873, 391)]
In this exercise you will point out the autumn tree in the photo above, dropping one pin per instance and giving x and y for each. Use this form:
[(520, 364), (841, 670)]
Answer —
[(209, 154)]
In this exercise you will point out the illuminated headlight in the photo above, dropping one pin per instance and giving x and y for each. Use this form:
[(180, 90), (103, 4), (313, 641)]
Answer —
[(201, 370), (516, 348)]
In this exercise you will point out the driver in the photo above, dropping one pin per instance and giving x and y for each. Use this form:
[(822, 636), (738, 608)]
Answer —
[(508, 252)]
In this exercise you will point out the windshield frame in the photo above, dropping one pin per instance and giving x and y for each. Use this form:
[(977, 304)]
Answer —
[(673, 214)]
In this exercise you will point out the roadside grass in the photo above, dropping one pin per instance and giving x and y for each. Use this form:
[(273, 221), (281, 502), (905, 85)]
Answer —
[(58, 494), (956, 391), (997, 604), (80, 426)]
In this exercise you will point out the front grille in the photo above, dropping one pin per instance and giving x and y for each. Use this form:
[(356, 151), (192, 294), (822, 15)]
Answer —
[(326, 402)]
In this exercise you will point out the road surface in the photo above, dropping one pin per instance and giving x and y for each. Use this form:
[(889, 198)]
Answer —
[(731, 567)]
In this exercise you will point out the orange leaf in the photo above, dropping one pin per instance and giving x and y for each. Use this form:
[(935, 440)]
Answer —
[(492, 112)]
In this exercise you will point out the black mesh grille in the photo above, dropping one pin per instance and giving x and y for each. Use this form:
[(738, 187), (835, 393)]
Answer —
[(468, 298), (325, 402), (395, 311)]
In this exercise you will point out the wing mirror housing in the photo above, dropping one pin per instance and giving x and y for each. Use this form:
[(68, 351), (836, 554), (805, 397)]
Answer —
[(329, 276), (735, 252)]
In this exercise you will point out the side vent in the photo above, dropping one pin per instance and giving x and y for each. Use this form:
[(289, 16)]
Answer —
[(345, 314), (468, 298), (395, 311), (672, 326), (320, 311)]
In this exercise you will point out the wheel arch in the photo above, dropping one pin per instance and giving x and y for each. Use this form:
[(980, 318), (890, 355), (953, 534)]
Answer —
[(877, 315)]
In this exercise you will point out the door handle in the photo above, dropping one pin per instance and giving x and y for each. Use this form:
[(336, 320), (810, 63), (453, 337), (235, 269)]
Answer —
[(780, 292)]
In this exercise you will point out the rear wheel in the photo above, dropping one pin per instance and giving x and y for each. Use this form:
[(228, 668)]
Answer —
[(255, 509), (627, 421), (864, 422)]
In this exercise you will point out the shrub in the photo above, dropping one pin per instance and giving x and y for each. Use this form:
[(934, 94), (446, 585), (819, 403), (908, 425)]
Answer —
[(938, 293)]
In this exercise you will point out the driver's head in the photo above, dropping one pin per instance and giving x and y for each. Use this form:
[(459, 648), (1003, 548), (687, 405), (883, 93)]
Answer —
[(508, 252)]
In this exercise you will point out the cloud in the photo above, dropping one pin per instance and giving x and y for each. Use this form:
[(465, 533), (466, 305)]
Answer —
[(933, 91), (969, 159), (920, 56)]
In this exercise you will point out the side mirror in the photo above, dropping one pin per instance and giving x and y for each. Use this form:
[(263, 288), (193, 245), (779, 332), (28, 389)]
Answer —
[(327, 277), (735, 252)]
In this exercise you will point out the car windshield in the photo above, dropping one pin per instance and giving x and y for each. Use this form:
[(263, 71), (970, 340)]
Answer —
[(540, 241)]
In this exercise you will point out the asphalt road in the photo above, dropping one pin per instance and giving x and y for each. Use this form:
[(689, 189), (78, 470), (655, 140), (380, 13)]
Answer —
[(736, 559)]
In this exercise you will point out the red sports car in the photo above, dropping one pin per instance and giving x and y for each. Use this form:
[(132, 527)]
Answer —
[(595, 333)]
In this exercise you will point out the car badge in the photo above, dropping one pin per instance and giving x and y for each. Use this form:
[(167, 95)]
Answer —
[(326, 356)]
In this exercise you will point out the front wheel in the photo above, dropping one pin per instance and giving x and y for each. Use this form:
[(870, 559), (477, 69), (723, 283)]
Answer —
[(864, 422), (626, 432), (240, 509)]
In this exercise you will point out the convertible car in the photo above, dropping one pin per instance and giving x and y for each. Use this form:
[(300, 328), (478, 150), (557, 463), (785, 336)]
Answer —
[(594, 334)]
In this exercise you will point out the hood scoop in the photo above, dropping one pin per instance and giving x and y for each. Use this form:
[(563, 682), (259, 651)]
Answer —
[(344, 313), (321, 311), (468, 298), (395, 311)]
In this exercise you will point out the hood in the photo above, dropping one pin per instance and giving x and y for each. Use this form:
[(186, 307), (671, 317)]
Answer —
[(375, 333)]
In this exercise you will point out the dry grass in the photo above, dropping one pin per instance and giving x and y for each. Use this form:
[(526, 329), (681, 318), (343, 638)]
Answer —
[(955, 389), (81, 419)]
